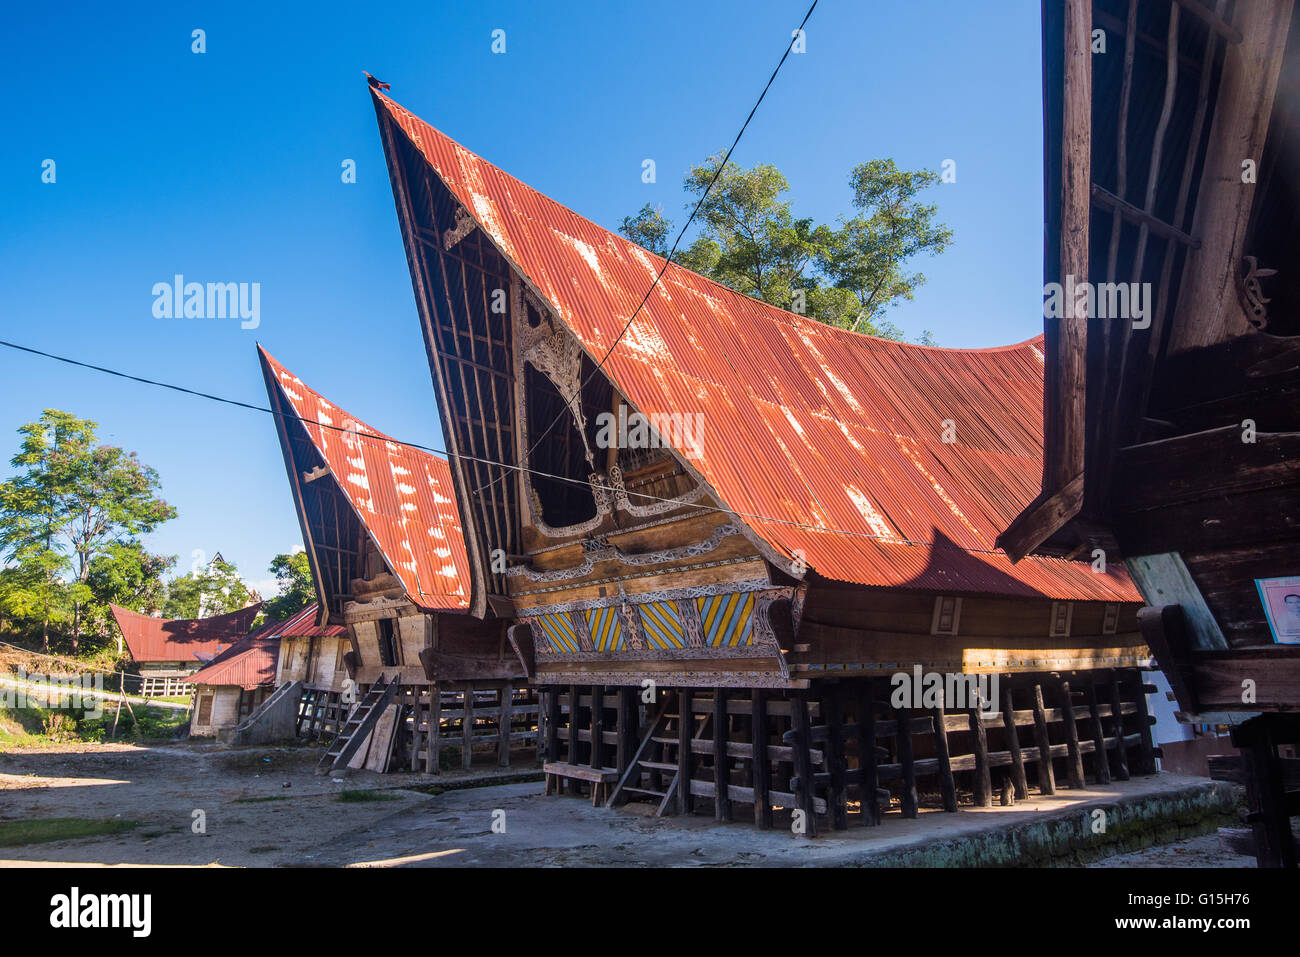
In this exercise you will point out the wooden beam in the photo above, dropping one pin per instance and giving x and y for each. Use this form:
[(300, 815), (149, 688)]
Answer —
[(981, 782), (867, 778), (685, 758), (907, 760), (1117, 714), (1046, 777), (836, 797), (1101, 764), (946, 783), (1074, 762), (802, 761), (721, 764), (761, 764), (1019, 782)]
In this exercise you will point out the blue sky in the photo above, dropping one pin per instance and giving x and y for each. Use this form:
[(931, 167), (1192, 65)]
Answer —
[(225, 166)]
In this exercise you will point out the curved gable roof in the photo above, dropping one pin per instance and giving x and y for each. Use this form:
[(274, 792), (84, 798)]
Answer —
[(402, 495), (182, 639), (827, 443)]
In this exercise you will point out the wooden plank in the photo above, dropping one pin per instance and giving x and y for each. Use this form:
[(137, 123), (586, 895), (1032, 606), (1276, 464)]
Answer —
[(907, 762), (946, 783), (721, 766), (1046, 777), (1074, 766), (981, 783), (760, 766)]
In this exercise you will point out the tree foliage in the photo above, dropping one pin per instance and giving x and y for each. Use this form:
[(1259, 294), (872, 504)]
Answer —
[(848, 275), (212, 589), (297, 587), (73, 505)]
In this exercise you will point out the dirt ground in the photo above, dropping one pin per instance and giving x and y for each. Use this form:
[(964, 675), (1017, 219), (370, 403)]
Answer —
[(267, 807), (261, 806)]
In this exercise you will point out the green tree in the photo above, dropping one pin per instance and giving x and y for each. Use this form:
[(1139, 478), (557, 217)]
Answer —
[(212, 589), (847, 276), (648, 229), (297, 587), (72, 500)]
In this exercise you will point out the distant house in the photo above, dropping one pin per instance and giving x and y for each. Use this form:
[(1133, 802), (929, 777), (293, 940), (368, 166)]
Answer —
[(169, 651), (233, 684)]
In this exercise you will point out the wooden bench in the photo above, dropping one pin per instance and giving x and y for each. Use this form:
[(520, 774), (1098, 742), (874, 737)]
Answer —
[(600, 778)]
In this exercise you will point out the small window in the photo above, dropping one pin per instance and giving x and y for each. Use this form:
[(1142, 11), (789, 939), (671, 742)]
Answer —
[(947, 616), (205, 709), (1062, 615), (1110, 621), (387, 643)]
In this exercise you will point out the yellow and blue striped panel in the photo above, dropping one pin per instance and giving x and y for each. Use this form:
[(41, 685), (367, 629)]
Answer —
[(661, 625), (606, 629), (728, 620), (559, 629)]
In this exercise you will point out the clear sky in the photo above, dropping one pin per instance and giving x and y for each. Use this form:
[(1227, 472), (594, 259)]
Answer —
[(225, 167)]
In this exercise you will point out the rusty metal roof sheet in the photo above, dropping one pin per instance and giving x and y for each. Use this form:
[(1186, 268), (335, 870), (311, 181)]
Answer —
[(182, 639), (248, 664), (402, 495), (827, 442), (303, 624)]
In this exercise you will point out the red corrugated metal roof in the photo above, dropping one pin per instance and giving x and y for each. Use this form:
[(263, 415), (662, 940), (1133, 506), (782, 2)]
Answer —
[(303, 625), (834, 437), (248, 664), (182, 639), (402, 495)]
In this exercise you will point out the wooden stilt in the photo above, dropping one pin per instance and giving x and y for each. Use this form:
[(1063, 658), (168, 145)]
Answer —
[(1019, 783), (433, 746), (1117, 713), (552, 699), (761, 766), (1074, 761), (626, 729), (467, 729), (504, 721), (721, 769), (597, 727), (836, 798), (417, 735), (867, 777), (1146, 746), (802, 745), (946, 783), (908, 761), (982, 782), (573, 725), (1100, 763), (685, 760), (1046, 777)]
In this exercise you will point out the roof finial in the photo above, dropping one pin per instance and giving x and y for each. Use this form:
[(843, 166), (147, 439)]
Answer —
[(374, 82)]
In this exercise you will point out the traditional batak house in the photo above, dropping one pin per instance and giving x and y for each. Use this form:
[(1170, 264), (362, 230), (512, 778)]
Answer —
[(1173, 430), (313, 654), (384, 539), (750, 521), (168, 651), (232, 685)]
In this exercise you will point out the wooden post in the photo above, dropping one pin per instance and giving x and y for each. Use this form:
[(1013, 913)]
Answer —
[(685, 760), (1117, 712), (1075, 761), (552, 696), (627, 729), (982, 783), (1019, 782), (433, 747), (836, 798), (721, 769), (1146, 746), (415, 727), (597, 727), (867, 778), (504, 722), (802, 745), (946, 783), (1100, 764), (467, 729), (908, 762), (572, 756), (1266, 796), (760, 764), (1046, 777)]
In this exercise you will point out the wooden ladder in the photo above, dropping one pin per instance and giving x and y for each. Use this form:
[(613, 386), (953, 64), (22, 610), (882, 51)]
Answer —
[(352, 734), (653, 760)]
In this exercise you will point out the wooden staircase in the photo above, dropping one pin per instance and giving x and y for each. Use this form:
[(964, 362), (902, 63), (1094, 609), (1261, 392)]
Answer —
[(656, 759), (360, 723)]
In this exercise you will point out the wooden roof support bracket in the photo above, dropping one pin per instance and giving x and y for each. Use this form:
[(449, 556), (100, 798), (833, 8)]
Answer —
[(1164, 629)]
